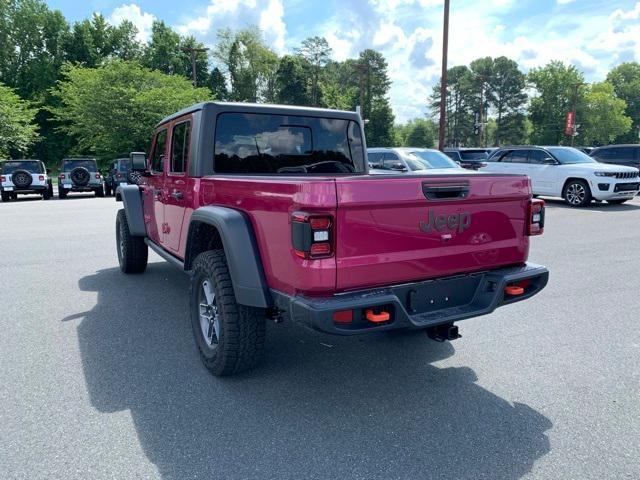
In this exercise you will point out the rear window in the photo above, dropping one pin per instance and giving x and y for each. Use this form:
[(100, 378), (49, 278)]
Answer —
[(474, 154), (68, 165), (30, 166), (281, 144), (123, 165)]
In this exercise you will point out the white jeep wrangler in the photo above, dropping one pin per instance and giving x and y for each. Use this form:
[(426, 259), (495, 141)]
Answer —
[(21, 177)]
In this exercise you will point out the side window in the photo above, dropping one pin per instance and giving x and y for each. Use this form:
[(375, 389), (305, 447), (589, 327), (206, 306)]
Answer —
[(375, 159), (625, 154), (537, 157), (157, 160), (180, 138), (605, 154), (515, 156), (389, 160)]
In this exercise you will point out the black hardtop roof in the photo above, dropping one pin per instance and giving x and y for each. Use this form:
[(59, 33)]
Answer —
[(78, 158), (264, 108), (20, 160)]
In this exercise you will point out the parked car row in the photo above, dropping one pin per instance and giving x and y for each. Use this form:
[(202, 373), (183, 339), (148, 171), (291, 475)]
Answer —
[(24, 177)]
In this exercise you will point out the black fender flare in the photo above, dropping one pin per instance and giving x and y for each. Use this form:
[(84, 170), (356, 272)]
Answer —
[(132, 199), (241, 250)]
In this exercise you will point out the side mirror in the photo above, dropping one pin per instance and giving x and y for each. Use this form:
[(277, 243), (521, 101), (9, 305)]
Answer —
[(138, 161), (549, 161), (398, 166)]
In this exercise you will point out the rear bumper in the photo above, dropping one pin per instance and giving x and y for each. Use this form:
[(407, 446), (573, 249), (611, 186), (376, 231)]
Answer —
[(417, 305), (29, 189)]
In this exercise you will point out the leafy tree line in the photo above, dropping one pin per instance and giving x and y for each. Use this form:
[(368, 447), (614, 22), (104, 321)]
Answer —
[(92, 88), (520, 109)]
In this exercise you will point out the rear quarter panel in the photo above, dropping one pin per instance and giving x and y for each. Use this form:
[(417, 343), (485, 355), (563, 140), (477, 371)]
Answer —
[(269, 203)]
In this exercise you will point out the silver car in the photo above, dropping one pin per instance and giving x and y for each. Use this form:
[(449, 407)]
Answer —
[(394, 160)]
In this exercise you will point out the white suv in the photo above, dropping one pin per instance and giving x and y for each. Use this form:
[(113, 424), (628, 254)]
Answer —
[(568, 173), (24, 177)]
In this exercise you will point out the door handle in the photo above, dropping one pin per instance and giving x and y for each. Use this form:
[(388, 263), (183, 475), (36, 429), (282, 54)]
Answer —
[(176, 194)]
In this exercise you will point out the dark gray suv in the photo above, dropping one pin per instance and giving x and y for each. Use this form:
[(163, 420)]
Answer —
[(627, 155)]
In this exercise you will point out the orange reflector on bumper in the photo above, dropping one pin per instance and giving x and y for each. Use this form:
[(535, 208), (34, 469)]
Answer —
[(513, 290), (377, 317)]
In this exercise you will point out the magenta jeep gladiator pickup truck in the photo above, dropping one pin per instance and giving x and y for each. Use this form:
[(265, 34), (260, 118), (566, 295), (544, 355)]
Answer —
[(271, 211)]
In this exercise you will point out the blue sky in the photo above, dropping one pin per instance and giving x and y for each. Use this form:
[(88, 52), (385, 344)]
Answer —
[(593, 35)]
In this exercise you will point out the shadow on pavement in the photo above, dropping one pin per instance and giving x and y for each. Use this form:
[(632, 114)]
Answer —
[(320, 406)]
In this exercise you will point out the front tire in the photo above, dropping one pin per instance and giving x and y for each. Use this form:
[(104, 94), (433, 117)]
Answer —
[(576, 193), (133, 253), (229, 336)]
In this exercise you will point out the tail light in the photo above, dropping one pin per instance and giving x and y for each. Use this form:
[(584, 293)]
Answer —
[(62, 177), (41, 178), (97, 175), (535, 217), (3, 178), (312, 236)]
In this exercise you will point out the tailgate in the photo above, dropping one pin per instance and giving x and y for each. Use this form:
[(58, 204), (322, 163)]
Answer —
[(393, 230)]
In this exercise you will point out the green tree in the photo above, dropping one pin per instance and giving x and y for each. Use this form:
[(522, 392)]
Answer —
[(291, 82), (250, 64), (18, 130), (218, 85), (602, 115), (379, 128), (557, 88), (31, 50), (508, 100), (459, 106), (317, 53), (419, 132), (625, 79), (112, 110)]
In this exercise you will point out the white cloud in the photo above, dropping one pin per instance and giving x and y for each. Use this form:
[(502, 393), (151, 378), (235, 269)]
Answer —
[(564, 2), (236, 14), (142, 20)]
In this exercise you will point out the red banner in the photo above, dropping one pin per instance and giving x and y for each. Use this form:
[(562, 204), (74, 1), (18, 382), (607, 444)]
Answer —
[(568, 124)]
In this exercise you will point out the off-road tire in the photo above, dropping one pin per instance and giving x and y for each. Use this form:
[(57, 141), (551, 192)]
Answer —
[(46, 195), (617, 202), (62, 192), (567, 193), (21, 174), (80, 176), (133, 253), (107, 189), (14, 196), (99, 192), (242, 328), (6, 197)]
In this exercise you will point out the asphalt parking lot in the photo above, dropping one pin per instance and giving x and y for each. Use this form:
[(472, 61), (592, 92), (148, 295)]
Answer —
[(101, 379)]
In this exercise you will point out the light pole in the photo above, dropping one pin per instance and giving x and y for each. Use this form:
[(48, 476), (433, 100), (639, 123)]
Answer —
[(443, 77), (193, 51)]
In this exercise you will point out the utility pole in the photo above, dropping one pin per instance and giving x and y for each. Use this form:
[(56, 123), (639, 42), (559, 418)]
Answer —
[(193, 52), (443, 77)]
